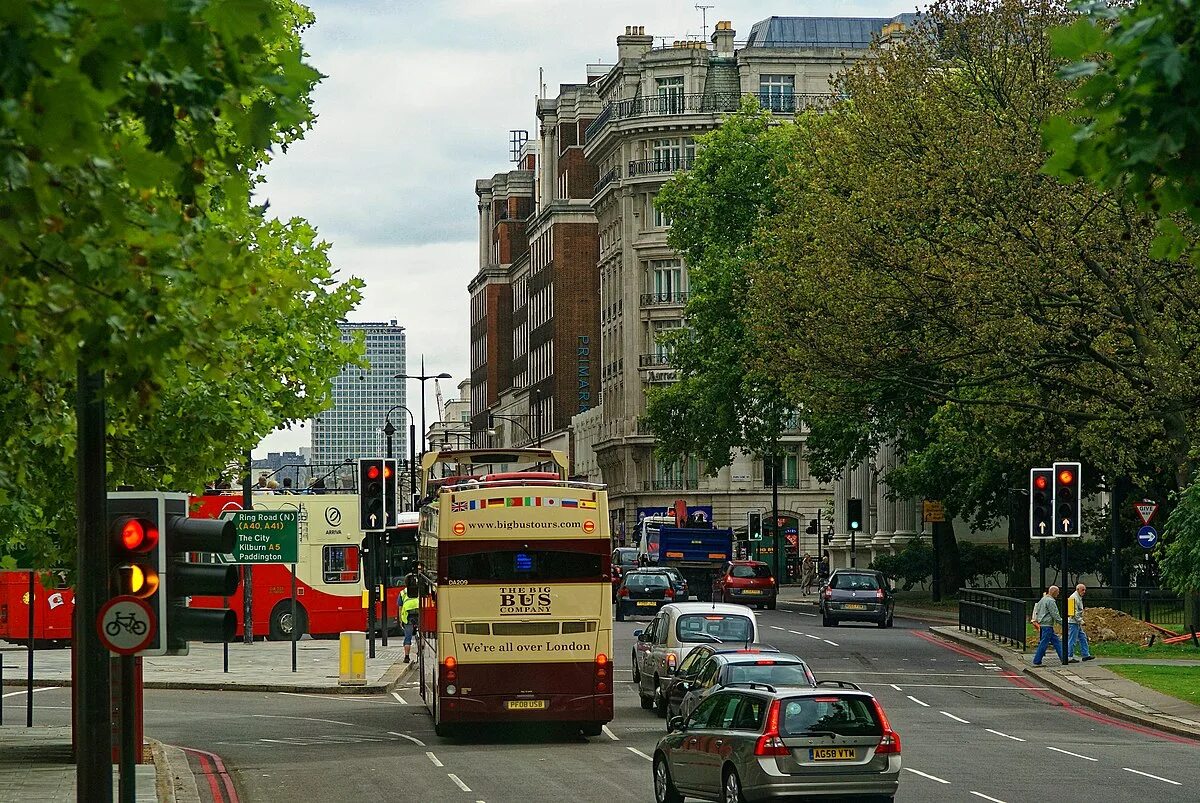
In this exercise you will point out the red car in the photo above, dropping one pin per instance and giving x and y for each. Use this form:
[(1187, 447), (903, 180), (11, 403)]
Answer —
[(748, 582)]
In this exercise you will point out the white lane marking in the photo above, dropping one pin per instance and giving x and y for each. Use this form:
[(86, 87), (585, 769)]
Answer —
[(341, 698), (458, 782), (987, 797), (811, 636), (609, 733), (1148, 775), (35, 691), (399, 699), (1069, 753), (637, 752), (894, 686), (306, 719), (412, 739), (927, 775), (773, 627), (796, 633), (833, 643), (1005, 735), (918, 702), (291, 742), (434, 759), (956, 719)]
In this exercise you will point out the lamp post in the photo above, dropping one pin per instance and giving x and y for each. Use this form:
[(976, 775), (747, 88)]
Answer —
[(422, 377), (389, 430)]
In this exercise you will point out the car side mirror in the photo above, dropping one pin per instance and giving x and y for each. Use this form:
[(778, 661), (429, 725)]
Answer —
[(637, 634), (676, 724)]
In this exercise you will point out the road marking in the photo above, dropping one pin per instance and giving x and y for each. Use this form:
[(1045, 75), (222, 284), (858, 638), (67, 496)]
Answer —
[(458, 782), (811, 636), (341, 698), (637, 752), (834, 643), (24, 691), (796, 633), (399, 699), (412, 739), (773, 627), (1148, 775), (987, 797), (894, 686), (1069, 753), (434, 759), (918, 702), (956, 719), (1005, 735), (306, 719), (927, 775), (609, 733)]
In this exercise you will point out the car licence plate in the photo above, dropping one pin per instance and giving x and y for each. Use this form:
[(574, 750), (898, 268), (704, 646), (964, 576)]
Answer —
[(751, 591), (648, 603), (832, 753), (854, 606), (526, 705)]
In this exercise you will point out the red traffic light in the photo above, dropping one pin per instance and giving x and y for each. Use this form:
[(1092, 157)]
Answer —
[(1040, 482), (1066, 476), (372, 472), (136, 535)]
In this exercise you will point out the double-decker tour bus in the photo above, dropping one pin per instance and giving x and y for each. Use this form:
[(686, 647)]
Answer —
[(516, 616), (330, 574)]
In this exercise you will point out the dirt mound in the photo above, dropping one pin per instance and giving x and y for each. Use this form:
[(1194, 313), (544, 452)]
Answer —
[(1105, 624)]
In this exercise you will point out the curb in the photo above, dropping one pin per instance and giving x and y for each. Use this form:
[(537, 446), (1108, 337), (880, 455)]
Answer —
[(1068, 690), (916, 614)]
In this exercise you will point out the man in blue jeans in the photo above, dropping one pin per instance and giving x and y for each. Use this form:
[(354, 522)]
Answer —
[(1045, 616), (1075, 632)]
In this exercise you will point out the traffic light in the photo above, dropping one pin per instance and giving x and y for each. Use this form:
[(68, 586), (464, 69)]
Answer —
[(390, 478), (1068, 498), (854, 512), (134, 536), (754, 525), (1041, 491), (371, 502), (811, 529)]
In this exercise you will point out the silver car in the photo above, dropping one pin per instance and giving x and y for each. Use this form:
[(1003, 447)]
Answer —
[(757, 742)]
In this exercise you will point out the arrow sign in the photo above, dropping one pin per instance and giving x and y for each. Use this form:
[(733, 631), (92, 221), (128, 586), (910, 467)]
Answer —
[(1145, 510), (1147, 536), (1041, 528), (373, 520)]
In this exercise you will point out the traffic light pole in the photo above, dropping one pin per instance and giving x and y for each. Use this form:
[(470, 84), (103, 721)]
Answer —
[(1063, 596), (779, 542), (247, 573), (92, 714), (127, 789)]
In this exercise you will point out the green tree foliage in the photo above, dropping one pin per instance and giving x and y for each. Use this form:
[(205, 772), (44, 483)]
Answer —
[(1181, 543), (132, 135), (1135, 124), (911, 566)]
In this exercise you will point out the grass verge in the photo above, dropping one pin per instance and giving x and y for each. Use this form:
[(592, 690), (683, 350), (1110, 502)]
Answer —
[(1175, 652), (1182, 682)]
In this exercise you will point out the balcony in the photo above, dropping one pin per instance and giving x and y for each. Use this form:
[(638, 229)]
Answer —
[(594, 128), (677, 484), (608, 178), (716, 103), (654, 360), (650, 167), (656, 299)]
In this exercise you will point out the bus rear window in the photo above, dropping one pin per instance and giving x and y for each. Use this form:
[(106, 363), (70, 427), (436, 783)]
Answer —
[(523, 566), (339, 563)]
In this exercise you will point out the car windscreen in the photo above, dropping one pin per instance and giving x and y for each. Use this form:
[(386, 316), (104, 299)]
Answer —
[(647, 580), (854, 582), (701, 628), (626, 557), (841, 714), (766, 670), (751, 571)]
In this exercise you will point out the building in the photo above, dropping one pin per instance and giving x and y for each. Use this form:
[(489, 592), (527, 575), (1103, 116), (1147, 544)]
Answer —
[(353, 425), (453, 429)]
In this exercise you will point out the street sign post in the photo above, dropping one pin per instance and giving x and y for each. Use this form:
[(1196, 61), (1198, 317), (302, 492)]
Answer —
[(265, 536), (1147, 537), (1146, 510), (126, 625)]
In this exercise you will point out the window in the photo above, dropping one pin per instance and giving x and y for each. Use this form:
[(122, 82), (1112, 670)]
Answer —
[(667, 155), (750, 571), (523, 566), (770, 672), (339, 563), (707, 674), (659, 345), (692, 663), (854, 582), (676, 473), (661, 219), (789, 470), (777, 92), (843, 715), (749, 715), (693, 628), (670, 94), (666, 276), (704, 712)]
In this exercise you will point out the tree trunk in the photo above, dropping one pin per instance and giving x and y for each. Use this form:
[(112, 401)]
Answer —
[(950, 566)]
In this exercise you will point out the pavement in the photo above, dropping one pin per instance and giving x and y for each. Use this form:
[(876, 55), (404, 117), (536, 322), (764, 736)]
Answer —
[(36, 764)]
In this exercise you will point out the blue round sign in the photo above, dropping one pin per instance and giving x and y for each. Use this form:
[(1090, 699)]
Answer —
[(1147, 537)]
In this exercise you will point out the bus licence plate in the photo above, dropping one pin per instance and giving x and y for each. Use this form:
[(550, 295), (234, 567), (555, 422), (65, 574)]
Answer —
[(647, 603), (525, 705), (832, 753)]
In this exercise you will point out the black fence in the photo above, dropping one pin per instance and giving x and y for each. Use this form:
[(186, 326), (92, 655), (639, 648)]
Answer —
[(993, 615), (1155, 605)]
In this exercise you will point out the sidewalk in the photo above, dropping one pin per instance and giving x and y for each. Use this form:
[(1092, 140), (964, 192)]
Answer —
[(1091, 684), (36, 764), (262, 666)]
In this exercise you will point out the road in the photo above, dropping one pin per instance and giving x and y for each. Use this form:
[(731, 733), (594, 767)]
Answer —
[(969, 731)]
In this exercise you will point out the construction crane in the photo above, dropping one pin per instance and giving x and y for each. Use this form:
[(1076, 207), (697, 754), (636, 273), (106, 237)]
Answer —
[(437, 395)]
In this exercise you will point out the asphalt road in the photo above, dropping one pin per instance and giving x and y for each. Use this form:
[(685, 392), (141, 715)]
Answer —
[(970, 731)]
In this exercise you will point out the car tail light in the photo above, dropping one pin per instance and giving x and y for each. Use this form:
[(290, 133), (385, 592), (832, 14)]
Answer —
[(879, 594), (450, 669), (602, 670), (670, 593), (828, 592), (769, 744), (889, 742), (624, 592)]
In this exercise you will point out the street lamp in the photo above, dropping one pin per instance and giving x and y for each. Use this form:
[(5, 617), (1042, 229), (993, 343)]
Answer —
[(511, 419), (389, 430), (422, 377)]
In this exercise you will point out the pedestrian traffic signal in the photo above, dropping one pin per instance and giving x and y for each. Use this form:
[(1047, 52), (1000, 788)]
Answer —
[(854, 513), (1067, 499), (754, 525), (1041, 508), (372, 502), (390, 479)]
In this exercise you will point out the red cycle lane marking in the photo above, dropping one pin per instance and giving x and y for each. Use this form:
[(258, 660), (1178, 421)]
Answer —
[(212, 771), (1054, 699), (207, 769)]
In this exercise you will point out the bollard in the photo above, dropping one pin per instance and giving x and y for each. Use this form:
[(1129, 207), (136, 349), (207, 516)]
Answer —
[(352, 664)]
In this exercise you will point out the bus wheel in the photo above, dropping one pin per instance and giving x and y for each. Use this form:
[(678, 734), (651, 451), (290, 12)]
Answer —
[(592, 728), (444, 731), (281, 621)]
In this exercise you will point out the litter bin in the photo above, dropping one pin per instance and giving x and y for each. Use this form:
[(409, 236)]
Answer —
[(352, 664)]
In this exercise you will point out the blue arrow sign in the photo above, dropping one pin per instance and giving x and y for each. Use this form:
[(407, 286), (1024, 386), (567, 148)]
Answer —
[(1147, 537)]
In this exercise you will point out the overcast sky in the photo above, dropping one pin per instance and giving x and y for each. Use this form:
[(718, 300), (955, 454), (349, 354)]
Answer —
[(417, 104)]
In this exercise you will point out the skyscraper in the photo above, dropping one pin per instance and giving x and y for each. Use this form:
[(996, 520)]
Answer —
[(353, 426)]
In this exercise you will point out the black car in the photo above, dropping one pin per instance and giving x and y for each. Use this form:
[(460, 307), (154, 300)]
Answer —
[(678, 583), (643, 592), (624, 558), (857, 595), (711, 667)]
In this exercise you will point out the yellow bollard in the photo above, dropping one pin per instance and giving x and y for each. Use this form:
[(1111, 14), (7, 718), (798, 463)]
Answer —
[(352, 663)]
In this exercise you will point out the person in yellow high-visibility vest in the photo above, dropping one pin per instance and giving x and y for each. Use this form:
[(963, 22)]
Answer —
[(409, 610)]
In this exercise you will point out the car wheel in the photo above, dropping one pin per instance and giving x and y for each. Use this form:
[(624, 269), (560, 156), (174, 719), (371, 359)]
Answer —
[(647, 702), (664, 786), (636, 674), (660, 702), (620, 613), (771, 605), (883, 622), (891, 620), (825, 620), (731, 789)]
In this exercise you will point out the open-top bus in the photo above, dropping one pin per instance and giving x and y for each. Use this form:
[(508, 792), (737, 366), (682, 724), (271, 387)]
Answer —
[(516, 618)]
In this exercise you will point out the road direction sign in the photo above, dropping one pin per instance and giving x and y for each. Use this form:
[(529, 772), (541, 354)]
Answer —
[(265, 536), (933, 511), (1147, 537), (1146, 510), (126, 625)]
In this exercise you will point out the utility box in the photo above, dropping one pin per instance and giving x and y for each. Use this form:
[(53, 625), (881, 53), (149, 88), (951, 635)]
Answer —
[(352, 663)]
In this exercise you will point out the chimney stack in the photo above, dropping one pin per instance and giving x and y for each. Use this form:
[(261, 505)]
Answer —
[(634, 43), (722, 38)]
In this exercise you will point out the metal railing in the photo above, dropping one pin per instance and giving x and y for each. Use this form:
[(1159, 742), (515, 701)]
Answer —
[(652, 360), (992, 615), (611, 175), (651, 299), (703, 103), (1155, 605), (659, 164), (680, 484)]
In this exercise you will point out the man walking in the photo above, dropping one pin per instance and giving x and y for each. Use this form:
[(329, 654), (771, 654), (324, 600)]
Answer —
[(808, 574), (1075, 631), (1045, 616)]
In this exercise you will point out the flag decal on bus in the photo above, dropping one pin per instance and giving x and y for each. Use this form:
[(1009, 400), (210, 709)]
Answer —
[(458, 507), (570, 503), (587, 504)]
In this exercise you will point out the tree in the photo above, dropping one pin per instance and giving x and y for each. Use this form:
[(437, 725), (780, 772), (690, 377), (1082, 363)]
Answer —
[(131, 138)]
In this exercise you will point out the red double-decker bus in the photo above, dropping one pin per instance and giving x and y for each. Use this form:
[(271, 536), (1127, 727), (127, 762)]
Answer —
[(52, 603)]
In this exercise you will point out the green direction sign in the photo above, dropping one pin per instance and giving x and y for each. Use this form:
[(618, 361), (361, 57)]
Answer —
[(265, 536)]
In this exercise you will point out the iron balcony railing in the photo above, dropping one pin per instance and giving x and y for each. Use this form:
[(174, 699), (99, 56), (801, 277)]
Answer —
[(609, 177), (999, 617), (703, 103), (678, 484), (654, 299), (598, 124), (659, 164), (652, 360)]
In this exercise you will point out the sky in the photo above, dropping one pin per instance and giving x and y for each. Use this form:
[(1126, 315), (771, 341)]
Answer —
[(417, 104)]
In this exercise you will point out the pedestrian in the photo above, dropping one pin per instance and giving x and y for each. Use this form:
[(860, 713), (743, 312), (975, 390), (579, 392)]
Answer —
[(287, 486), (1045, 616), (1075, 631), (409, 612), (808, 573), (823, 569)]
